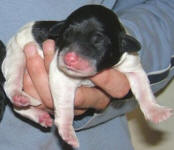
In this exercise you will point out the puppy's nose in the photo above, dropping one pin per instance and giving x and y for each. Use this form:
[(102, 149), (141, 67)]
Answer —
[(71, 59)]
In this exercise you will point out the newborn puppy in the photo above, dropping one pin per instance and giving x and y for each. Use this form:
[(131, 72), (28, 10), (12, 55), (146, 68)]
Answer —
[(90, 40)]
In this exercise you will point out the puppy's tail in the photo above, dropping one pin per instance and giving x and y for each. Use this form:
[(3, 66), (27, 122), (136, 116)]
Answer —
[(3, 98)]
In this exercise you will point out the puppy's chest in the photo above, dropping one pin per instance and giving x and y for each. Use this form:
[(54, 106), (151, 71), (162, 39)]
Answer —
[(86, 83)]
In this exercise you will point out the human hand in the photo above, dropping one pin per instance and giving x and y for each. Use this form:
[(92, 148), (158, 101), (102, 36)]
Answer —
[(36, 82), (113, 84)]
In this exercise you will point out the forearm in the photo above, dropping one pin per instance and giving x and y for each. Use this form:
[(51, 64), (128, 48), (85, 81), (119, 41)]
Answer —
[(113, 82)]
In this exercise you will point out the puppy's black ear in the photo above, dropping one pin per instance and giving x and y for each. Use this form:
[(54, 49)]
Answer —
[(55, 29), (129, 43)]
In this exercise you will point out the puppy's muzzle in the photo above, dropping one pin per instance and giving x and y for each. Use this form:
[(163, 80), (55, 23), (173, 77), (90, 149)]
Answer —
[(76, 62)]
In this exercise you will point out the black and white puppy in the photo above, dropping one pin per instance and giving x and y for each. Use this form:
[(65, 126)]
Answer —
[(90, 40)]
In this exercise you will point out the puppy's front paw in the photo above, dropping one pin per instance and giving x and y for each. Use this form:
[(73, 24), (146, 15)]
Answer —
[(68, 135), (157, 113)]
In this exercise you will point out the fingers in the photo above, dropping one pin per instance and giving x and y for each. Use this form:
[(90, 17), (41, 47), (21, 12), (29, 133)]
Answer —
[(78, 112), (86, 98), (28, 86), (112, 82), (38, 74), (48, 48)]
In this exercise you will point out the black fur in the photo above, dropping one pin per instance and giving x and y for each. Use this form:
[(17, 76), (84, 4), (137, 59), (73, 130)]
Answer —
[(43, 30), (93, 31), (3, 98)]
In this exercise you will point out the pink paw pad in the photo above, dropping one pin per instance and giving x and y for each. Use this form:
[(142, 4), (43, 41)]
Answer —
[(45, 120), (20, 100)]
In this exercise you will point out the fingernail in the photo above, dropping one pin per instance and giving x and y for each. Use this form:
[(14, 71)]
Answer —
[(49, 46), (30, 49)]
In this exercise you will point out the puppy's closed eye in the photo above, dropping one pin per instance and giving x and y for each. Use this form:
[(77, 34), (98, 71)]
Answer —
[(67, 34), (97, 38)]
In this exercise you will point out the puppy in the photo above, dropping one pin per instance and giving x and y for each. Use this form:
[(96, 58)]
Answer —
[(90, 40)]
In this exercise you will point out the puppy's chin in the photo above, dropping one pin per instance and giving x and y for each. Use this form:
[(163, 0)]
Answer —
[(74, 72), (77, 73)]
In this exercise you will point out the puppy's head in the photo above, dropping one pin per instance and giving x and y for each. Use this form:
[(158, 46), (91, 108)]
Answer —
[(92, 39)]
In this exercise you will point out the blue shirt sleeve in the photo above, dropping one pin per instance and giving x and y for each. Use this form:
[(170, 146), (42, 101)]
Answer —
[(151, 23)]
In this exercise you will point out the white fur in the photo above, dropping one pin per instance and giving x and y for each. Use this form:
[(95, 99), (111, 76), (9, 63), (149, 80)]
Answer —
[(62, 87), (130, 65), (13, 66), (63, 102)]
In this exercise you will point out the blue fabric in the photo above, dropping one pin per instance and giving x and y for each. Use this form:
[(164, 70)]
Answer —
[(151, 21), (19, 135)]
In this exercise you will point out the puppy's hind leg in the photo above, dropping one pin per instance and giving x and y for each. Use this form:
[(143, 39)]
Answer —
[(13, 68), (141, 89)]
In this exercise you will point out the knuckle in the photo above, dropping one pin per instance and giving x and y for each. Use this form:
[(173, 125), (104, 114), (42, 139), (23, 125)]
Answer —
[(79, 103), (121, 93), (79, 112), (103, 104)]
